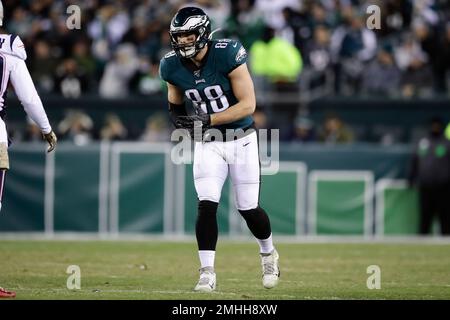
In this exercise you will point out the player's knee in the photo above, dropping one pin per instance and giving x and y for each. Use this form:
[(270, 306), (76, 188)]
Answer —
[(206, 207), (247, 208), (245, 213), (258, 222), (210, 198), (255, 213), (247, 196), (246, 204)]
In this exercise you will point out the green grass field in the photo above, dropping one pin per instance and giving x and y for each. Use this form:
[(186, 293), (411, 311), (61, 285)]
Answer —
[(168, 270)]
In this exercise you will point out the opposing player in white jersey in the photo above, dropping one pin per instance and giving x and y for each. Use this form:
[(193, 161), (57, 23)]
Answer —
[(14, 70)]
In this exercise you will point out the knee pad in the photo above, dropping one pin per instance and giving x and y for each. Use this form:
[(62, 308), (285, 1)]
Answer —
[(206, 229), (209, 189), (247, 196), (206, 207)]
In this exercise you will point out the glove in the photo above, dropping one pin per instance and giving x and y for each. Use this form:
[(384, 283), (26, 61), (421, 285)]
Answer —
[(51, 140), (188, 122)]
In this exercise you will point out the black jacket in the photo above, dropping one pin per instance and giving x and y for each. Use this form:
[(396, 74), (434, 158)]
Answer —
[(431, 162)]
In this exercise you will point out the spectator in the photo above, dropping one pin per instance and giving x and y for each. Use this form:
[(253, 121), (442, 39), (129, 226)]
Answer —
[(76, 127), (218, 10), (244, 23), (319, 56), (106, 31), (335, 131), (297, 22), (145, 37), (85, 61), (430, 171), (275, 59), (411, 59), (20, 23), (429, 43), (303, 130), (71, 81), (43, 67), (113, 129), (146, 80), (272, 11), (352, 46), (118, 72), (111, 24), (156, 129), (443, 62), (382, 76)]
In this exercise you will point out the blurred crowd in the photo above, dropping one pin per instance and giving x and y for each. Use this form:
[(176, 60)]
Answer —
[(293, 44), (118, 47)]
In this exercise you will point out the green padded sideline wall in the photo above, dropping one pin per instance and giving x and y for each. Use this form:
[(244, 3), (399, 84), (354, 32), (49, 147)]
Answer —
[(396, 208), (282, 195), (139, 188), (136, 192), (340, 202), (76, 188), (24, 192)]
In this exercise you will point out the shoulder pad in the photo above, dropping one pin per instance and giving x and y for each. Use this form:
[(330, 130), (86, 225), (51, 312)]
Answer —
[(167, 66), (12, 45)]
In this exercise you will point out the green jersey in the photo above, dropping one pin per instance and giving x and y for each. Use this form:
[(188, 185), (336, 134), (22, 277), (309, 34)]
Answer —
[(209, 86)]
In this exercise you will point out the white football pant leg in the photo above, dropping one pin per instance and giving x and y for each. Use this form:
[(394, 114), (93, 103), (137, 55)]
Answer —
[(210, 170), (243, 156), (3, 132)]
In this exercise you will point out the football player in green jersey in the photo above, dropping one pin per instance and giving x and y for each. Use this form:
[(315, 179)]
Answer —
[(213, 75)]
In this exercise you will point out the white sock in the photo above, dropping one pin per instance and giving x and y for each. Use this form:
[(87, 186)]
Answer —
[(265, 245), (206, 258)]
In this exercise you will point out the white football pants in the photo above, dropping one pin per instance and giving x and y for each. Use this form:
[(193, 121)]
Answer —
[(212, 162)]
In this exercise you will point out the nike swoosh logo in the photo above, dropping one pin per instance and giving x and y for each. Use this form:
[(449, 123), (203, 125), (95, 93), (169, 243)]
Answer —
[(235, 45), (246, 144)]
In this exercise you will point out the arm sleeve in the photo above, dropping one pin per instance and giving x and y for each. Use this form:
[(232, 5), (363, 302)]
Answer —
[(28, 96)]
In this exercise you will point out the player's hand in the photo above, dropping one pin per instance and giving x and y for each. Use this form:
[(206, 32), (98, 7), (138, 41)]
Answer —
[(188, 122), (51, 140)]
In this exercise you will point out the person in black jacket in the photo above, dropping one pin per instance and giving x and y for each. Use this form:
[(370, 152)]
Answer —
[(430, 171)]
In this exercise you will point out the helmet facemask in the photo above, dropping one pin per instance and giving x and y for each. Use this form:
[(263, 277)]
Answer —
[(189, 49)]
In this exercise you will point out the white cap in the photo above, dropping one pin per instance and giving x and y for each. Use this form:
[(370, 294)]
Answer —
[(1, 13)]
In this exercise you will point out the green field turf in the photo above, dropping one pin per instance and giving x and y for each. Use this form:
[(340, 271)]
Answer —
[(165, 270)]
